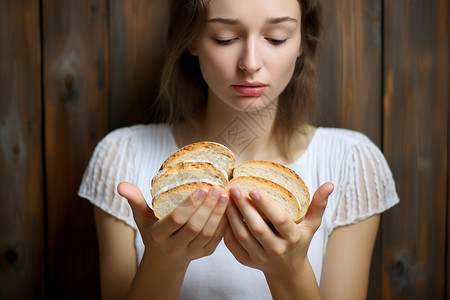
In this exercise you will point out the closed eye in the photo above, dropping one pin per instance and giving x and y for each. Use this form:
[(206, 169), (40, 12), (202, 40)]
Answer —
[(224, 42), (276, 42)]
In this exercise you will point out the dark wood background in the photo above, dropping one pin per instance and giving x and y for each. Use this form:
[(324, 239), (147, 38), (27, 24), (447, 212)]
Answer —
[(72, 70)]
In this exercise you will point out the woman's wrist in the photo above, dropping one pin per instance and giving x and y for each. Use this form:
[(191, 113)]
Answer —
[(163, 265), (297, 282), (157, 278)]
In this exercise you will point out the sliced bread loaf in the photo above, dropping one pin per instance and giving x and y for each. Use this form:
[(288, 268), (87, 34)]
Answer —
[(279, 174), (168, 200), (186, 172)]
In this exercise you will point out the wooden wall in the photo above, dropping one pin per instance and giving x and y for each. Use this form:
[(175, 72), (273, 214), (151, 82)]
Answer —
[(71, 71)]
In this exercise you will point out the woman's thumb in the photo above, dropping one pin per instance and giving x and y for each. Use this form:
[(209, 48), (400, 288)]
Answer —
[(313, 217), (133, 194)]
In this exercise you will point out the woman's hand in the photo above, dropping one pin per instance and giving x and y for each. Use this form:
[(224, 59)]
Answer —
[(192, 230), (280, 254)]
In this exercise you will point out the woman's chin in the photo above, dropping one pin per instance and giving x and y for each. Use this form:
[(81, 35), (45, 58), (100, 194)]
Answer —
[(253, 104)]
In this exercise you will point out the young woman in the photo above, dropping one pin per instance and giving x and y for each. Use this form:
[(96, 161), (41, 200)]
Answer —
[(240, 73)]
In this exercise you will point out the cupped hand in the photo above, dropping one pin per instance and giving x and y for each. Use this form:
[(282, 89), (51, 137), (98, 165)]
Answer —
[(277, 252), (192, 230)]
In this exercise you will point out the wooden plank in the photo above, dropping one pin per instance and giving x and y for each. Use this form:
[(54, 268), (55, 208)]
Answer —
[(22, 243), (350, 81), (76, 92), (416, 124), (138, 31), (447, 255), (349, 67)]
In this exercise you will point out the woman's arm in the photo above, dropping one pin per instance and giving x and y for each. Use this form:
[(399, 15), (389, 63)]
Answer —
[(192, 230), (120, 276), (118, 260), (346, 267)]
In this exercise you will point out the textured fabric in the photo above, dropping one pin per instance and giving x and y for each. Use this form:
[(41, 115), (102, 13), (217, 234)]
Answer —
[(363, 186)]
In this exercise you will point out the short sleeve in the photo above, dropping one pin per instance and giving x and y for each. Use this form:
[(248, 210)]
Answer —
[(111, 163), (365, 187)]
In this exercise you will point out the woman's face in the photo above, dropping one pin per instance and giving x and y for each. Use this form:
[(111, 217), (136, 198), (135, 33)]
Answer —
[(248, 49)]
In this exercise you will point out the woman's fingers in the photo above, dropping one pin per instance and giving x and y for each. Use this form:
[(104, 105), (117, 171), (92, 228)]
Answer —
[(207, 225), (212, 210), (244, 218), (178, 218), (211, 245), (141, 212), (235, 247), (279, 218)]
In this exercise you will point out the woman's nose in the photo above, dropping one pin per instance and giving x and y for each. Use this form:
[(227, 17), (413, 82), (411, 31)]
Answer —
[(250, 60)]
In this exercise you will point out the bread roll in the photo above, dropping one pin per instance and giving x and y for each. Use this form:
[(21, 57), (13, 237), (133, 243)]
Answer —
[(279, 174), (187, 172), (218, 155), (205, 164), (281, 196)]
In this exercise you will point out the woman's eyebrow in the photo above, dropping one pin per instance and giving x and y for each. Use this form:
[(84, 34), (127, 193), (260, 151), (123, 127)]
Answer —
[(223, 20), (230, 21), (281, 20)]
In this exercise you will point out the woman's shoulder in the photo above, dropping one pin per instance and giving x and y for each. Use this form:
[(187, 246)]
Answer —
[(342, 136), (137, 138), (335, 145), (140, 131), (339, 140)]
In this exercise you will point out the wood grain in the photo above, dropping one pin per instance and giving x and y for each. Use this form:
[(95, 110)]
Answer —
[(349, 67), (416, 124), (350, 81), (22, 228), (76, 99), (447, 255), (383, 70), (138, 29)]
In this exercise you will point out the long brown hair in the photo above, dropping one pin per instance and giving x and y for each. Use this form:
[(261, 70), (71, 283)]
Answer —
[(183, 91)]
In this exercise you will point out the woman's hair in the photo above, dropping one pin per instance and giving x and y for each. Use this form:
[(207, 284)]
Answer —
[(183, 91)]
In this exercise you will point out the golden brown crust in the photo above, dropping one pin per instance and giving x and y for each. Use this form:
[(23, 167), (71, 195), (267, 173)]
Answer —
[(181, 167), (171, 167), (261, 182), (270, 164), (200, 146)]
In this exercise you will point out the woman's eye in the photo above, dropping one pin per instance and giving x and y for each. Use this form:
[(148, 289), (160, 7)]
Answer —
[(224, 42), (276, 42)]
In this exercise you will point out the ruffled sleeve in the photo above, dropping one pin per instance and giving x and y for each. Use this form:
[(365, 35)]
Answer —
[(111, 163), (365, 187)]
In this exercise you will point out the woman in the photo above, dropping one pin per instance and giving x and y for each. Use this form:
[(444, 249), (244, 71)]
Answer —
[(240, 73)]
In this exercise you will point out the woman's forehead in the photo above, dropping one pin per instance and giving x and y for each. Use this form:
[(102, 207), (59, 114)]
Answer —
[(245, 9)]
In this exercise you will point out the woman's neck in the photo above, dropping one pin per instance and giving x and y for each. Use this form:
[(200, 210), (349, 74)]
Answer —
[(249, 134)]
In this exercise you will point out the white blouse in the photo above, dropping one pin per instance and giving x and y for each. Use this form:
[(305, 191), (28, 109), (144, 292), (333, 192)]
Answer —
[(363, 186)]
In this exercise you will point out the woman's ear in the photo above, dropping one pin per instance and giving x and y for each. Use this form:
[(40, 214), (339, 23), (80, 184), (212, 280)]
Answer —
[(193, 51), (300, 51)]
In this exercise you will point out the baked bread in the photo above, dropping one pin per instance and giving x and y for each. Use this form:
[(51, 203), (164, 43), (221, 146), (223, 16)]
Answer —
[(186, 172), (218, 155), (281, 196), (283, 177), (193, 166), (168, 200), (207, 164)]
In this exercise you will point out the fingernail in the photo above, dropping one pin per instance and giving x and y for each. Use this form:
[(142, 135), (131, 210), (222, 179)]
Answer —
[(215, 192), (255, 196), (223, 199), (235, 193), (200, 194)]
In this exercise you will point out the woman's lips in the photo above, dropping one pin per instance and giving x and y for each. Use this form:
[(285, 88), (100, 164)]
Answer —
[(250, 89)]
